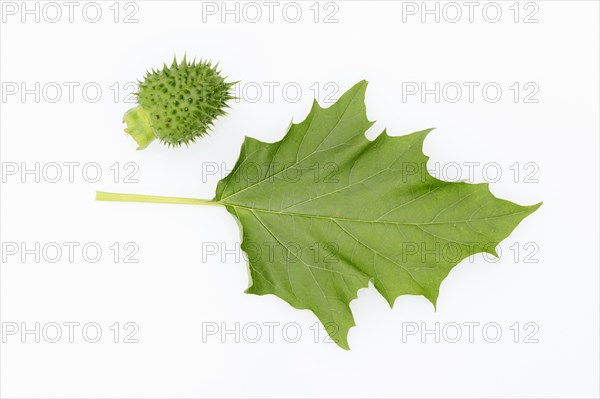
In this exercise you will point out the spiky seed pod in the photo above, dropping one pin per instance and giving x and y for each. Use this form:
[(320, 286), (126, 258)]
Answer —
[(178, 104)]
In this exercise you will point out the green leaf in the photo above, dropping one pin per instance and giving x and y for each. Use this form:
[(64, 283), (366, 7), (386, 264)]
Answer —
[(325, 210)]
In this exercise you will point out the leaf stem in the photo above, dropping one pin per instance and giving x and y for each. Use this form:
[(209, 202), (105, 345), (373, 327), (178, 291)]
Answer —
[(104, 196)]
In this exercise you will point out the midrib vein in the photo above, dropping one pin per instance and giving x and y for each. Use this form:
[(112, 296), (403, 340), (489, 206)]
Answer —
[(334, 218)]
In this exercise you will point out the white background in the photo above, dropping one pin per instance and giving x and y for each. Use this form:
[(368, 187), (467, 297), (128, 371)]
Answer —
[(171, 293)]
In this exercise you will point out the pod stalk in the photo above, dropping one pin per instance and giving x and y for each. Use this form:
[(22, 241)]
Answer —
[(139, 127)]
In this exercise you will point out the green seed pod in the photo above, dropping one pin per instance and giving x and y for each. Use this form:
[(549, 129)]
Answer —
[(178, 104)]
